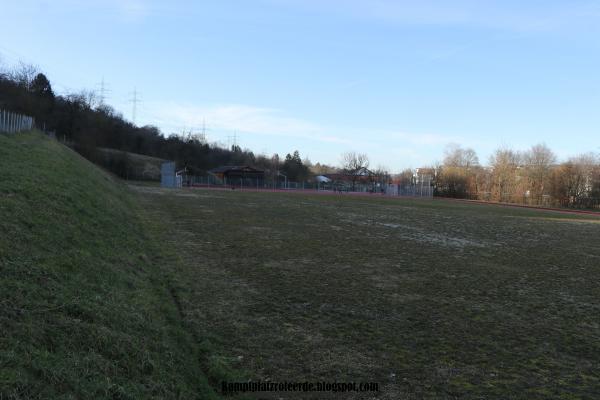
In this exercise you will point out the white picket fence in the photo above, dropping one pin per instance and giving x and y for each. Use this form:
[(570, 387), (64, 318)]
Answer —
[(12, 122)]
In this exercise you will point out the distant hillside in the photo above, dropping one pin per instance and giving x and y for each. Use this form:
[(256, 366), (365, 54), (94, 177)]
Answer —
[(89, 125), (86, 307), (129, 165)]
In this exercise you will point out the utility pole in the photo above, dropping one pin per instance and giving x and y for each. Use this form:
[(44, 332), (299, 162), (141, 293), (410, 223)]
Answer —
[(103, 90), (135, 100), (203, 134), (232, 140)]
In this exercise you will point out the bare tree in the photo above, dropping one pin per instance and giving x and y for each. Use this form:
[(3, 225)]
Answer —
[(380, 177), (456, 156), (321, 169), (355, 165), (505, 164), (406, 177), (85, 99), (3, 71), (573, 181), (458, 177), (24, 74), (538, 163)]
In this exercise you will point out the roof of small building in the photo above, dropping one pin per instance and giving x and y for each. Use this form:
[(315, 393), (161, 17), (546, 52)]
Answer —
[(235, 168)]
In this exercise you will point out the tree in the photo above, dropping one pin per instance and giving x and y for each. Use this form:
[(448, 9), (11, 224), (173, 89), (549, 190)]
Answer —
[(294, 168), (322, 169), (573, 181), (40, 86), (355, 165), (456, 156), (538, 161), (406, 177), (380, 177), (458, 175), (24, 74), (505, 164)]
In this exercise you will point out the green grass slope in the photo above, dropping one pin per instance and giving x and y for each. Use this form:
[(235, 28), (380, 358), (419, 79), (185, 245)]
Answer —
[(85, 308)]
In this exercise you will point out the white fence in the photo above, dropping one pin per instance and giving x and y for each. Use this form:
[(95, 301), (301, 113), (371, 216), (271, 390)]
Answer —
[(12, 122)]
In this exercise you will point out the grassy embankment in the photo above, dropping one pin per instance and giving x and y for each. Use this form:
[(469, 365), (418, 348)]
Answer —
[(86, 310)]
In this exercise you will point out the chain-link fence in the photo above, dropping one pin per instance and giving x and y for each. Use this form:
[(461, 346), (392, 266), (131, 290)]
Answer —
[(419, 189), (12, 122)]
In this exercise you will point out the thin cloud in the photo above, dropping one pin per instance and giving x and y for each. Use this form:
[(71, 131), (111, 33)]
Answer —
[(398, 149), (242, 118), (262, 121)]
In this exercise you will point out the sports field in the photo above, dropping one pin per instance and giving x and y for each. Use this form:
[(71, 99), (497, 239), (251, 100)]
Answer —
[(431, 299)]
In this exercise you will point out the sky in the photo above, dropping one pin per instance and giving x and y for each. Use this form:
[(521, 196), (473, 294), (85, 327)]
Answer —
[(397, 80)]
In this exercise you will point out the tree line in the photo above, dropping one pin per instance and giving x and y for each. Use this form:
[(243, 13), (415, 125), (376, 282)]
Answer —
[(86, 123), (532, 177)]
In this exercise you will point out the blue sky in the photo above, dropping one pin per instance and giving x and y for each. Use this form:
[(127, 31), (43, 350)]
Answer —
[(397, 80)]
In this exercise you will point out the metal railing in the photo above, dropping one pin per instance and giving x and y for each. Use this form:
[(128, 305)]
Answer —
[(11, 122)]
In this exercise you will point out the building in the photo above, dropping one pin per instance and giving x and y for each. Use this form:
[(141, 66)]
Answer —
[(236, 175)]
